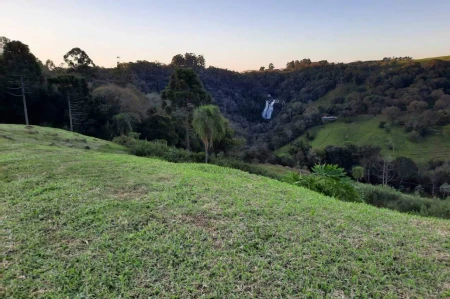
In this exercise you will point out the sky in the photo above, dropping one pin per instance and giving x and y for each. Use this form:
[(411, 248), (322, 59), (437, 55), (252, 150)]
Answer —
[(235, 34)]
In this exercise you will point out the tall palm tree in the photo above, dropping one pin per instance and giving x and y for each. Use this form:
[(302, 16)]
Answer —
[(210, 125)]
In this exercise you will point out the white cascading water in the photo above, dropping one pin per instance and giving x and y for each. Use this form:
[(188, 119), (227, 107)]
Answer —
[(267, 112), (270, 110), (264, 113)]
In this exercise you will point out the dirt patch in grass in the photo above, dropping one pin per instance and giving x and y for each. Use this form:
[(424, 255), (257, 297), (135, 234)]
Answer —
[(442, 230), (213, 207), (443, 256), (32, 132), (207, 225), (198, 220), (75, 242), (338, 294)]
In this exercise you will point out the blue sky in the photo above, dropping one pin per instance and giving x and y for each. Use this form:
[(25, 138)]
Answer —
[(238, 35)]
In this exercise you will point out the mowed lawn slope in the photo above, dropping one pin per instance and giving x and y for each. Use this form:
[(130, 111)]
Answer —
[(32, 136), (80, 223)]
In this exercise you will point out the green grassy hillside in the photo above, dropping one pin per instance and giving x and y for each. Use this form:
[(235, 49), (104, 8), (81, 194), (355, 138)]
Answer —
[(82, 223), (35, 136), (428, 59), (364, 130)]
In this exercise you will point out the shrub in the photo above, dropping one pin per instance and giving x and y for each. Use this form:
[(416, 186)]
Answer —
[(414, 136), (292, 177), (286, 160), (158, 148), (327, 179), (387, 197), (310, 136), (134, 135), (128, 141), (407, 128), (238, 164), (198, 157), (390, 145), (446, 131), (445, 189), (145, 148)]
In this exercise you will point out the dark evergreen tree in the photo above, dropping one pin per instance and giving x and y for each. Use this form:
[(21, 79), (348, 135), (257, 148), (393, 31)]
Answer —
[(185, 91)]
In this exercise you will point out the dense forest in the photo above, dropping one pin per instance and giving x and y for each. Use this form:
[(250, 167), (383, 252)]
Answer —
[(136, 97)]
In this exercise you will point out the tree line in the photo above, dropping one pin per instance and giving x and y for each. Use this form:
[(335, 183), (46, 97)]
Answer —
[(159, 100)]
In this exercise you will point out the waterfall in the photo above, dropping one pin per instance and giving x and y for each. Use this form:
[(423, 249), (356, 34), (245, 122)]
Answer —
[(267, 113), (270, 110), (264, 114)]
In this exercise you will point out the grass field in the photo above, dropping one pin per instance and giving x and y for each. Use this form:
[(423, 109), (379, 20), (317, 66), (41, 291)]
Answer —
[(33, 136), (80, 223), (364, 130), (275, 171)]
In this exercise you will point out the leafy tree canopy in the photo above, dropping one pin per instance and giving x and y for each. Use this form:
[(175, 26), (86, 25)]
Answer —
[(188, 60), (19, 60), (77, 58), (69, 81)]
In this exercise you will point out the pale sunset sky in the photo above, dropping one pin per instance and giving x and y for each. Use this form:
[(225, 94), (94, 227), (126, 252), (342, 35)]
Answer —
[(235, 34)]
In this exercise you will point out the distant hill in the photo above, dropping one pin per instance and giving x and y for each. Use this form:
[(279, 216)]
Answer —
[(425, 60), (364, 130), (79, 222)]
